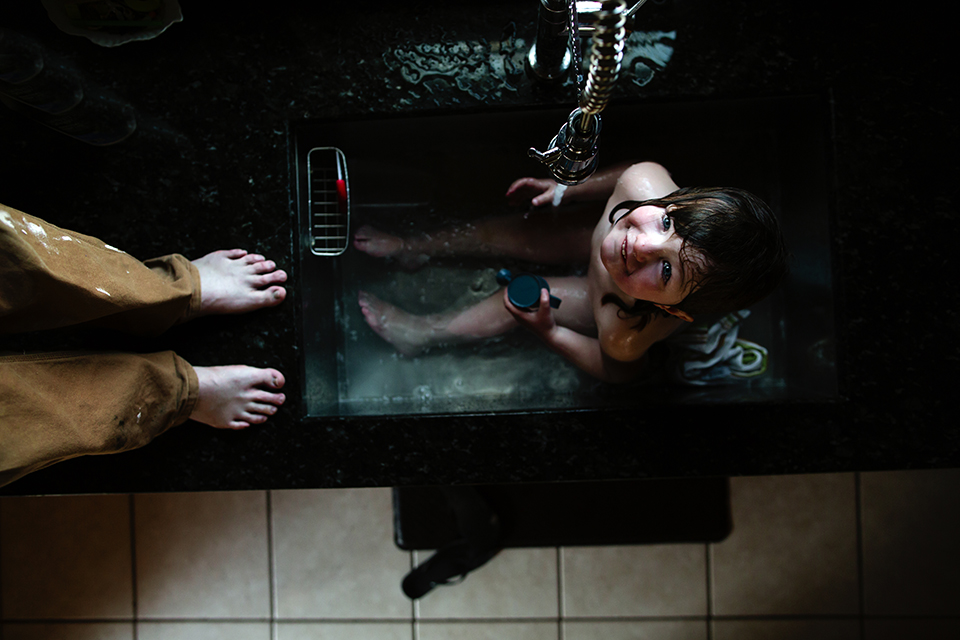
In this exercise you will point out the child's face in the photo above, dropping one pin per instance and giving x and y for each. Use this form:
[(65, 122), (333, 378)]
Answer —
[(641, 252)]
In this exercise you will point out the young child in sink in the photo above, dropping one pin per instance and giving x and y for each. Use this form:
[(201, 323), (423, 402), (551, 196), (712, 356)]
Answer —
[(658, 257)]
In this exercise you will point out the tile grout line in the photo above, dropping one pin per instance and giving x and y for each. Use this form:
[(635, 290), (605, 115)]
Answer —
[(858, 514), (415, 603), (271, 569), (820, 616), (507, 619), (135, 605), (511, 619), (561, 609), (709, 579)]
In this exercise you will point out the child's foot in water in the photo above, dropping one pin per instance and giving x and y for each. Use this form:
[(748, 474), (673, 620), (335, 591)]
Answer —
[(235, 281), (378, 244), (410, 334), (235, 397)]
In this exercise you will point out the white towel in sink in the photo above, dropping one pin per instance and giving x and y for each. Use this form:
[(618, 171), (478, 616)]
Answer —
[(710, 355)]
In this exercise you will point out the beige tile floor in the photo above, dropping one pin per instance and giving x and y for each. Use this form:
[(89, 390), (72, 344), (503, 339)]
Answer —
[(870, 556)]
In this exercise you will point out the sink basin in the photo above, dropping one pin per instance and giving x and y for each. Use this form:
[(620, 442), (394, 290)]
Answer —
[(411, 174)]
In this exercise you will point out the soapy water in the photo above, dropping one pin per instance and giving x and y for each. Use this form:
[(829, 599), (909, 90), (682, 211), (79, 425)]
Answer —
[(513, 371)]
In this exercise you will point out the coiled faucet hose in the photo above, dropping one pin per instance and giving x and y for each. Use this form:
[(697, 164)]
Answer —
[(606, 56)]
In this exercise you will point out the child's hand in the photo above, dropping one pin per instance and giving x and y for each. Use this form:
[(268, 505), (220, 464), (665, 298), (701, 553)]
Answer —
[(538, 191), (539, 320)]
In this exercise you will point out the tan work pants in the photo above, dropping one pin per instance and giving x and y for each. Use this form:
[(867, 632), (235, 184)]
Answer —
[(56, 406)]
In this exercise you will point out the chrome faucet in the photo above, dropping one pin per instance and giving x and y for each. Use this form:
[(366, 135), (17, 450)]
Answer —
[(572, 154), (549, 57)]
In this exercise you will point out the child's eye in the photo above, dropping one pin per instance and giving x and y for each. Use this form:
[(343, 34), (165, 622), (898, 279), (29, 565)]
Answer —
[(666, 272), (667, 222)]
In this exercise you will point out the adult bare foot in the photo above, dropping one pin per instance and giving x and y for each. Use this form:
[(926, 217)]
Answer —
[(233, 397), (235, 281), (410, 334), (378, 244)]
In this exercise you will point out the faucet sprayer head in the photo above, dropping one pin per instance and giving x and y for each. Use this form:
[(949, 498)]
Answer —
[(573, 153)]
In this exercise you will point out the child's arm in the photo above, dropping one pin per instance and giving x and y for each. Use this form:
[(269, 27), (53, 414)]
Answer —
[(581, 350), (585, 352), (540, 191)]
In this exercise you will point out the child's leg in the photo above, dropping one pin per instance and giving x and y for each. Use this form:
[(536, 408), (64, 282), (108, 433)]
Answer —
[(411, 334), (544, 237)]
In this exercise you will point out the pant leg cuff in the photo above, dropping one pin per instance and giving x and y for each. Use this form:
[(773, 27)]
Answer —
[(191, 392), (193, 308)]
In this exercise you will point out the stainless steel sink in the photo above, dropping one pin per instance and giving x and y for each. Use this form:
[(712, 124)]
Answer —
[(413, 173)]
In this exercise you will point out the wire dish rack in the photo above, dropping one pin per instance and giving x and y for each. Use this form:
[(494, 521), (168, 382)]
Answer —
[(329, 201)]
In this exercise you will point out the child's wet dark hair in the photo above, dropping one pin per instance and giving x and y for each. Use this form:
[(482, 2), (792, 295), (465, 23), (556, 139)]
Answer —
[(730, 238)]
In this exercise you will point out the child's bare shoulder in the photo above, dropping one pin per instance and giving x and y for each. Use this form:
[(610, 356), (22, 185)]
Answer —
[(646, 181)]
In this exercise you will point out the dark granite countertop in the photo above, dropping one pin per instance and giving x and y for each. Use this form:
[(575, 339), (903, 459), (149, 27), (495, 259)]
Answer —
[(208, 167)]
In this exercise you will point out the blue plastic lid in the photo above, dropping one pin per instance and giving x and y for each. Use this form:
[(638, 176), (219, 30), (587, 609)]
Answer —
[(524, 291)]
